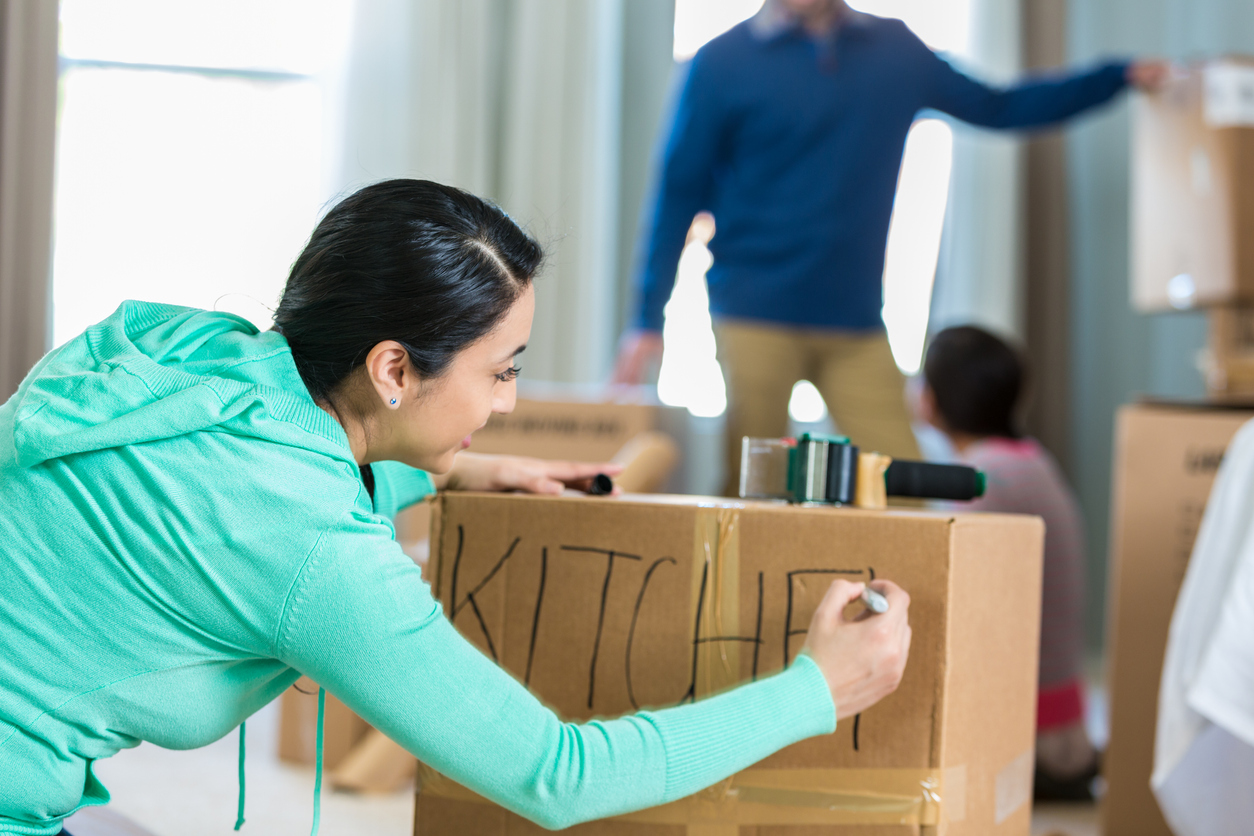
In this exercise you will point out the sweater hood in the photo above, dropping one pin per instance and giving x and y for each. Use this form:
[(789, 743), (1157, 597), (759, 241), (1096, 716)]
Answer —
[(152, 372)]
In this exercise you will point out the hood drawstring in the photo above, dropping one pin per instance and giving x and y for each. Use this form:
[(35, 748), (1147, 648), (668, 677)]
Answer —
[(317, 811), (317, 805), (239, 817)]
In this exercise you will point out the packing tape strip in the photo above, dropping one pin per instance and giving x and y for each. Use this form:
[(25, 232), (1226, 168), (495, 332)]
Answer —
[(784, 797), (715, 603)]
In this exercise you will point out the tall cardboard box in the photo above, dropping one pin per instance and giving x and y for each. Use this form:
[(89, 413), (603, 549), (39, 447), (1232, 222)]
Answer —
[(1166, 457), (605, 606), (1192, 189)]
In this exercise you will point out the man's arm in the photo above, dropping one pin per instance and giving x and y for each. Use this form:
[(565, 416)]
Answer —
[(1032, 103), (683, 187)]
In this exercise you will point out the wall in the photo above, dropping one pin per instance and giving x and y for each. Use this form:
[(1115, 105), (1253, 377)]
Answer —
[(1118, 355)]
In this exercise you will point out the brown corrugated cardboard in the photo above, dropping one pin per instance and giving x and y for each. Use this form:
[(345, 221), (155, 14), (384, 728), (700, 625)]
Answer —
[(570, 430), (596, 605), (1192, 192), (1165, 461)]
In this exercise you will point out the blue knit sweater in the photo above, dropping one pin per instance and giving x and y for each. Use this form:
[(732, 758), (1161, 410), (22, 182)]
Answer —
[(794, 144)]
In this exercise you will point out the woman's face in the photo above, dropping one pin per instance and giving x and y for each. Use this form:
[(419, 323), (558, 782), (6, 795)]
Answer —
[(480, 381)]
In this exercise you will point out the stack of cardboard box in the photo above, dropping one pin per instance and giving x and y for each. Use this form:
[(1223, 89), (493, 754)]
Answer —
[(1193, 210), (1166, 456)]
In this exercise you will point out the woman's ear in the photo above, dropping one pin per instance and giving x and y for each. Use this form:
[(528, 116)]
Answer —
[(390, 373)]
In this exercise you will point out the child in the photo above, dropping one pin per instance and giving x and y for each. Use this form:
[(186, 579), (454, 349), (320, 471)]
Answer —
[(972, 383)]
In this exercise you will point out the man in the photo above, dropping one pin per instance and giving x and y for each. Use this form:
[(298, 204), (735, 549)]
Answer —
[(790, 129)]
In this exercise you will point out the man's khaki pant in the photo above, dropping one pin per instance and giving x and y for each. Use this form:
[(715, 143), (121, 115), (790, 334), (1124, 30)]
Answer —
[(854, 372)]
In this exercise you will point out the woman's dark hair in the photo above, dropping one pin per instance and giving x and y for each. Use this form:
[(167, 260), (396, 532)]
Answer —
[(976, 379), (429, 266)]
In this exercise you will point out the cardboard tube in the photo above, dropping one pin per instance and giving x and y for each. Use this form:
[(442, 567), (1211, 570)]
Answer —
[(376, 764), (648, 460)]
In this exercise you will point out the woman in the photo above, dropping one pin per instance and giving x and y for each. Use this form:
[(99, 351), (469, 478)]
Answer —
[(197, 513)]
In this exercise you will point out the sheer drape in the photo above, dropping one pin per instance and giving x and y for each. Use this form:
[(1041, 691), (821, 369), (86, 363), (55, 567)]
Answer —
[(521, 101), (28, 105)]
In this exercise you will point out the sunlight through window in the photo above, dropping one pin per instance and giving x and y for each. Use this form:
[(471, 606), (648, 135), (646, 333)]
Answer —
[(697, 22), (690, 375), (190, 159), (806, 404)]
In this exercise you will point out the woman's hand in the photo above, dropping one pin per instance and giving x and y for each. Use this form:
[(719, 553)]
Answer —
[(481, 472), (862, 657)]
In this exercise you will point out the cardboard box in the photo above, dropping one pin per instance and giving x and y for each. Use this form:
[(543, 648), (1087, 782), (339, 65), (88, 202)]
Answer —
[(1166, 457), (1192, 189), (605, 606)]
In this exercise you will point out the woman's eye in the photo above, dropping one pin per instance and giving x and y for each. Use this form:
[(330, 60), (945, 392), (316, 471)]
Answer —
[(509, 374)]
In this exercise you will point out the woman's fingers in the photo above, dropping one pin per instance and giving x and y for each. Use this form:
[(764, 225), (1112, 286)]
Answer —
[(862, 658), (839, 595), (571, 472)]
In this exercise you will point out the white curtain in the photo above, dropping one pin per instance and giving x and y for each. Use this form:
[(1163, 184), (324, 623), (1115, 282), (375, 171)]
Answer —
[(518, 101), (28, 107), (979, 272)]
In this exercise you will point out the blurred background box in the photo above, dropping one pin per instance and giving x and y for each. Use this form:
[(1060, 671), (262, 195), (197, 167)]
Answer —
[(1166, 457), (950, 751), (574, 423), (669, 449), (1192, 190)]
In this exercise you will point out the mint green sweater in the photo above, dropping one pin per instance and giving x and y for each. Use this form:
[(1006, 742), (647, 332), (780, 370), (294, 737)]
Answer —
[(184, 532)]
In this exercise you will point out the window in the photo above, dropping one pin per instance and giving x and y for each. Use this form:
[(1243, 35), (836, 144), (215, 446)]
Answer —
[(191, 152)]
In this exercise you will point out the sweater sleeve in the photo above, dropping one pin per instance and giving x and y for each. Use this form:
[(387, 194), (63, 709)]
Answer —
[(1032, 103), (683, 187), (362, 623), (397, 486)]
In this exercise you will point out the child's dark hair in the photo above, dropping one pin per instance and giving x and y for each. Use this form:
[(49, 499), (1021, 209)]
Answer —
[(430, 266), (976, 379)]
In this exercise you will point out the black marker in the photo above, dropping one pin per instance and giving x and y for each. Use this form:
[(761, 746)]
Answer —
[(602, 485)]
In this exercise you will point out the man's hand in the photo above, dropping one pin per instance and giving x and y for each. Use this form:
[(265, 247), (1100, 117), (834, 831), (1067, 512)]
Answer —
[(638, 352), (864, 657), (480, 472), (1148, 76)]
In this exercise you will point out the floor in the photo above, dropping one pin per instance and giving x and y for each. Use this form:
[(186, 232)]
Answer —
[(195, 794)]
